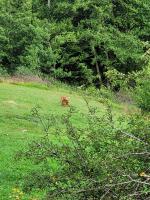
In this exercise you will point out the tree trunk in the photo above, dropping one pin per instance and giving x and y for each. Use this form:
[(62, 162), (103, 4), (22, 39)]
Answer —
[(97, 66), (49, 3)]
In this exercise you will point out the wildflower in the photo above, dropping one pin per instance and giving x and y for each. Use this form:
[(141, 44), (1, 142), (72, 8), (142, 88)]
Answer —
[(142, 174)]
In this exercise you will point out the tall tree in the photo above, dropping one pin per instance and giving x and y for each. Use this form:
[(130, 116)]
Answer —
[(76, 40)]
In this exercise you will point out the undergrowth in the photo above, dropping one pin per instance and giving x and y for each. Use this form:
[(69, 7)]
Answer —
[(103, 159)]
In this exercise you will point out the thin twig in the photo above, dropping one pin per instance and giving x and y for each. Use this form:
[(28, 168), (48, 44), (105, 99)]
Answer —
[(104, 195), (134, 137)]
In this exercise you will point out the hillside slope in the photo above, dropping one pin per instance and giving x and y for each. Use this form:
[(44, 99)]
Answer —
[(17, 130)]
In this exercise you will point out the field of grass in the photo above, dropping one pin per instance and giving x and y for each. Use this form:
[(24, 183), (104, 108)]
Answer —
[(16, 131)]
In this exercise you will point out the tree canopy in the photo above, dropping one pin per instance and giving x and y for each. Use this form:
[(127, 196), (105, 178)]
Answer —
[(74, 40)]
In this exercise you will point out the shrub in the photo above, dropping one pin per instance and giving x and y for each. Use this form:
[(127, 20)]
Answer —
[(3, 73), (98, 94), (100, 159), (142, 95), (142, 89), (24, 71)]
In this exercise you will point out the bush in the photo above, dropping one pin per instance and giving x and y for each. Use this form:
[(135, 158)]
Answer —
[(24, 71), (98, 94), (142, 95), (142, 89), (100, 160), (3, 73)]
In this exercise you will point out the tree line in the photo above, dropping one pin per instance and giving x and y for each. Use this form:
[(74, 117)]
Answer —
[(74, 40)]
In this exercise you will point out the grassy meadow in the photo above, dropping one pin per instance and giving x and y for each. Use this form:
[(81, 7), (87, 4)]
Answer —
[(16, 102), (17, 130)]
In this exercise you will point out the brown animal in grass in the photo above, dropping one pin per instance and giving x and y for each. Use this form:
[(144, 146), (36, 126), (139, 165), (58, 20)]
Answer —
[(64, 101)]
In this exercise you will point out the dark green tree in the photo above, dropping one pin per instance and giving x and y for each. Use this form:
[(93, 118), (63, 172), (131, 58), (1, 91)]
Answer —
[(75, 41)]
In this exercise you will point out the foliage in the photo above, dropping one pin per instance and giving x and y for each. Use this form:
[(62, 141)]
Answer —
[(75, 41), (16, 194), (22, 71), (142, 90), (100, 159), (3, 72)]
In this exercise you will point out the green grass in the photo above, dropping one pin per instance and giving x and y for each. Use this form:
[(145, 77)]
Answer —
[(16, 131), (16, 102)]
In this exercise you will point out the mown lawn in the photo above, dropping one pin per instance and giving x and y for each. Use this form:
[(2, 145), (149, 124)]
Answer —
[(16, 130)]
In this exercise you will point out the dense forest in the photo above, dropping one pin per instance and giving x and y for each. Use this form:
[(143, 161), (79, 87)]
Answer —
[(74, 40)]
